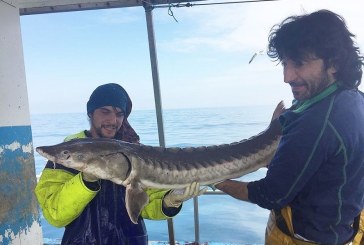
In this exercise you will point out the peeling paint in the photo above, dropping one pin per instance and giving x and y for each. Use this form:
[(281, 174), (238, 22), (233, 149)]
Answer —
[(13, 146), (29, 234), (18, 209), (27, 148)]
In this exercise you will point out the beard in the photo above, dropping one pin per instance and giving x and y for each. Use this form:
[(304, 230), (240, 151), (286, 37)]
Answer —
[(312, 86)]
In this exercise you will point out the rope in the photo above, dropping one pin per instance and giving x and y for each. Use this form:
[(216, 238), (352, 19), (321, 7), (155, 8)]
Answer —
[(179, 5)]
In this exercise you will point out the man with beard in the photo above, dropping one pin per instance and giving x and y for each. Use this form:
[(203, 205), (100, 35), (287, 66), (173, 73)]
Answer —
[(314, 185), (93, 210)]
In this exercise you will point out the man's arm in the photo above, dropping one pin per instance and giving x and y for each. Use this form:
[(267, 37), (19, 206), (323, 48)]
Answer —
[(165, 204), (236, 189), (154, 210), (62, 196)]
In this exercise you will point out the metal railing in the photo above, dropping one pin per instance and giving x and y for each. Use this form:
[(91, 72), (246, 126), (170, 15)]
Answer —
[(195, 218)]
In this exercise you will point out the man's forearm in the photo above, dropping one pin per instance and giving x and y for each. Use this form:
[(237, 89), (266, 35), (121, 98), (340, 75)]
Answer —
[(236, 189)]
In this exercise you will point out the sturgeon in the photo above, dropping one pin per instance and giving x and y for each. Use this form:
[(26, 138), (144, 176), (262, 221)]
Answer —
[(138, 166)]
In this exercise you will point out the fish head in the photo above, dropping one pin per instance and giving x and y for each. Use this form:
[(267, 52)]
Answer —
[(70, 154), (75, 153), (101, 157)]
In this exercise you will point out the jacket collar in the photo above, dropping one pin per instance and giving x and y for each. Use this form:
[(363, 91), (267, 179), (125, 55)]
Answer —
[(303, 105)]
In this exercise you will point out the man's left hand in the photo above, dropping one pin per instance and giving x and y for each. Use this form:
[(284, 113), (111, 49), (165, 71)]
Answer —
[(177, 196)]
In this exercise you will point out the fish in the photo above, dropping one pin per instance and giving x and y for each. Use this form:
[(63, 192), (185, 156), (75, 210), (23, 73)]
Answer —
[(139, 167)]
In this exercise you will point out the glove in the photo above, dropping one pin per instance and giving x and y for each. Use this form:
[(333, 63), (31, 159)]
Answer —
[(89, 177), (176, 197)]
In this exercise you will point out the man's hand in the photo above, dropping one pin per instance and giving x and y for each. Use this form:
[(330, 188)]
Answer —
[(89, 177), (176, 197), (213, 185)]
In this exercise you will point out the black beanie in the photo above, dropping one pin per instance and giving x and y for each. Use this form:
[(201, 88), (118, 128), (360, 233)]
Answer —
[(110, 94)]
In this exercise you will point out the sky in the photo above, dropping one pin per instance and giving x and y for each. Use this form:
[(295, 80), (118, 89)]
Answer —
[(203, 54)]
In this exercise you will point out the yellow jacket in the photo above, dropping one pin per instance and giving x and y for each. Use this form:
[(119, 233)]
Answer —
[(66, 201)]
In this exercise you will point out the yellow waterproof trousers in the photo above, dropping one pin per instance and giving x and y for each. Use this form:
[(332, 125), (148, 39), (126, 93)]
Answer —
[(359, 238), (274, 236)]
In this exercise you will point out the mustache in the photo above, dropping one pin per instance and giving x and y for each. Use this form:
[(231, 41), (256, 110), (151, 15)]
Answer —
[(295, 83)]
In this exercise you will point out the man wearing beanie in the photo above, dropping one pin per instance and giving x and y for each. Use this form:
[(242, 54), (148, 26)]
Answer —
[(93, 210)]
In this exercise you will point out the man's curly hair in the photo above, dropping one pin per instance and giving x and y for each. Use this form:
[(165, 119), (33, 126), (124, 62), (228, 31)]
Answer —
[(323, 34)]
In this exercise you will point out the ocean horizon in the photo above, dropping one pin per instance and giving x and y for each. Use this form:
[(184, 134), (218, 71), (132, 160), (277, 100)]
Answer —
[(222, 219)]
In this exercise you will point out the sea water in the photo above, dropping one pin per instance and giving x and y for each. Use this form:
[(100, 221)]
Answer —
[(222, 218)]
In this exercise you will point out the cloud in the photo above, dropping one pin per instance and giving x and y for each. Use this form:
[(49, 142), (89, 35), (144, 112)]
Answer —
[(245, 27), (202, 57)]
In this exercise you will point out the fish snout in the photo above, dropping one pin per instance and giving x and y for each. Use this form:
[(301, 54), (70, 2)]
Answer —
[(45, 153), (40, 151)]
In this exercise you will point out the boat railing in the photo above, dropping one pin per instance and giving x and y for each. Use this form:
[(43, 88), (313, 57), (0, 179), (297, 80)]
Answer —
[(196, 214)]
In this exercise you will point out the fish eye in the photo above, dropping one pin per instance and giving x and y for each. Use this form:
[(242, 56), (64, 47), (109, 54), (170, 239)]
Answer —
[(65, 152)]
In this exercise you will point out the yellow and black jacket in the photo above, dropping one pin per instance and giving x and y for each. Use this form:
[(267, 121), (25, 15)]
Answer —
[(93, 214)]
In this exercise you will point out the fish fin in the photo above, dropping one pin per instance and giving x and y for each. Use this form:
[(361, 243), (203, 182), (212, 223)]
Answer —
[(135, 200)]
